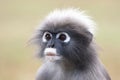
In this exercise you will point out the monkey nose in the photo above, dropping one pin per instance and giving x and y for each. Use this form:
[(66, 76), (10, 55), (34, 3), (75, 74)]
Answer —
[(51, 46)]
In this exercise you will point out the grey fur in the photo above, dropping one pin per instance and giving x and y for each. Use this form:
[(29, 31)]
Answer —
[(80, 60)]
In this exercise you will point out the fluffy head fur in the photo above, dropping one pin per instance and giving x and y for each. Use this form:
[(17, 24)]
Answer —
[(70, 16), (78, 58)]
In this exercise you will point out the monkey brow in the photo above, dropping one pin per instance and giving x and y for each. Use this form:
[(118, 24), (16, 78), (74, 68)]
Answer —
[(43, 31)]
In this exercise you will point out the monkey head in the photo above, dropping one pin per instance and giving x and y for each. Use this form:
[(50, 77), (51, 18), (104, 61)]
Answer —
[(66, 36)]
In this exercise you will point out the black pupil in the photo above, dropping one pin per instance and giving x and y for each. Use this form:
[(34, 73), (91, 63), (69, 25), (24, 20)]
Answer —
[(62, 37), (47, 36)]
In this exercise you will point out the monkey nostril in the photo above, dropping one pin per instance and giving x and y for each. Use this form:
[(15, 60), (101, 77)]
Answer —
[(51, 46)]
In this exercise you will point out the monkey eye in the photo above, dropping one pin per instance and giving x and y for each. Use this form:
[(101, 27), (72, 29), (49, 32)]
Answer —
[(63, 36), (47, 36)]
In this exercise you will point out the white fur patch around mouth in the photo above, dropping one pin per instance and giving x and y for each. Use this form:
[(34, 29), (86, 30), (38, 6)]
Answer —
[(52, 58), (51, 54)]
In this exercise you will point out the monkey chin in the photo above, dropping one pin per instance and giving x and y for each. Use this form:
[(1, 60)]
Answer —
[(51, 55), (52, 58)]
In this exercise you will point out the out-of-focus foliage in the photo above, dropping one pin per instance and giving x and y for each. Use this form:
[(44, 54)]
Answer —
[(19, 18)]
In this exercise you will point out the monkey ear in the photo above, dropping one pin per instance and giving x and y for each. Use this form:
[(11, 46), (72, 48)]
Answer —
[(89, 37)]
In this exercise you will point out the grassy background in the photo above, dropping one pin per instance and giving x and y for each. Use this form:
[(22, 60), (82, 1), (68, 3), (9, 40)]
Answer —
[(19, 18)]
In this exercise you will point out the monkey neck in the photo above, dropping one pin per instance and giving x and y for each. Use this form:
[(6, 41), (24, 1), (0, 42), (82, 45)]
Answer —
[(67, 66), (78, 66)]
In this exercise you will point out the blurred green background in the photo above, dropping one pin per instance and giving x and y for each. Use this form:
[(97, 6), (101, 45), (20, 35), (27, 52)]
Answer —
[(19, 18)]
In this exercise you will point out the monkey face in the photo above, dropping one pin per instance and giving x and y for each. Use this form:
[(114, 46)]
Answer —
[(54, 41), (64, 43), (66, 37)]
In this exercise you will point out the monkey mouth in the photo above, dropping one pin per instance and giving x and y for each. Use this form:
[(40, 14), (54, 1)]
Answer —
[(51, 54), (52, 57)]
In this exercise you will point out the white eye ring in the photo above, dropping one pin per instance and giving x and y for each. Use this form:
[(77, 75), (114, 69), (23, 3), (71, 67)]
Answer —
[(63, 36), (46, 36)]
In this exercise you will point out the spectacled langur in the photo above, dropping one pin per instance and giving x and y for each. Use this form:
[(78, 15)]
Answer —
[(65, 40)]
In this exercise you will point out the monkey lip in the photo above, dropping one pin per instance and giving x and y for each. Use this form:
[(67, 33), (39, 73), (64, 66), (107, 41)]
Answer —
[(51, 54), (52, 57)]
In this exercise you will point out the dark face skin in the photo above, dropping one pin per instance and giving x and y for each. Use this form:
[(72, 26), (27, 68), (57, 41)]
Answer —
[(76, 51)]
